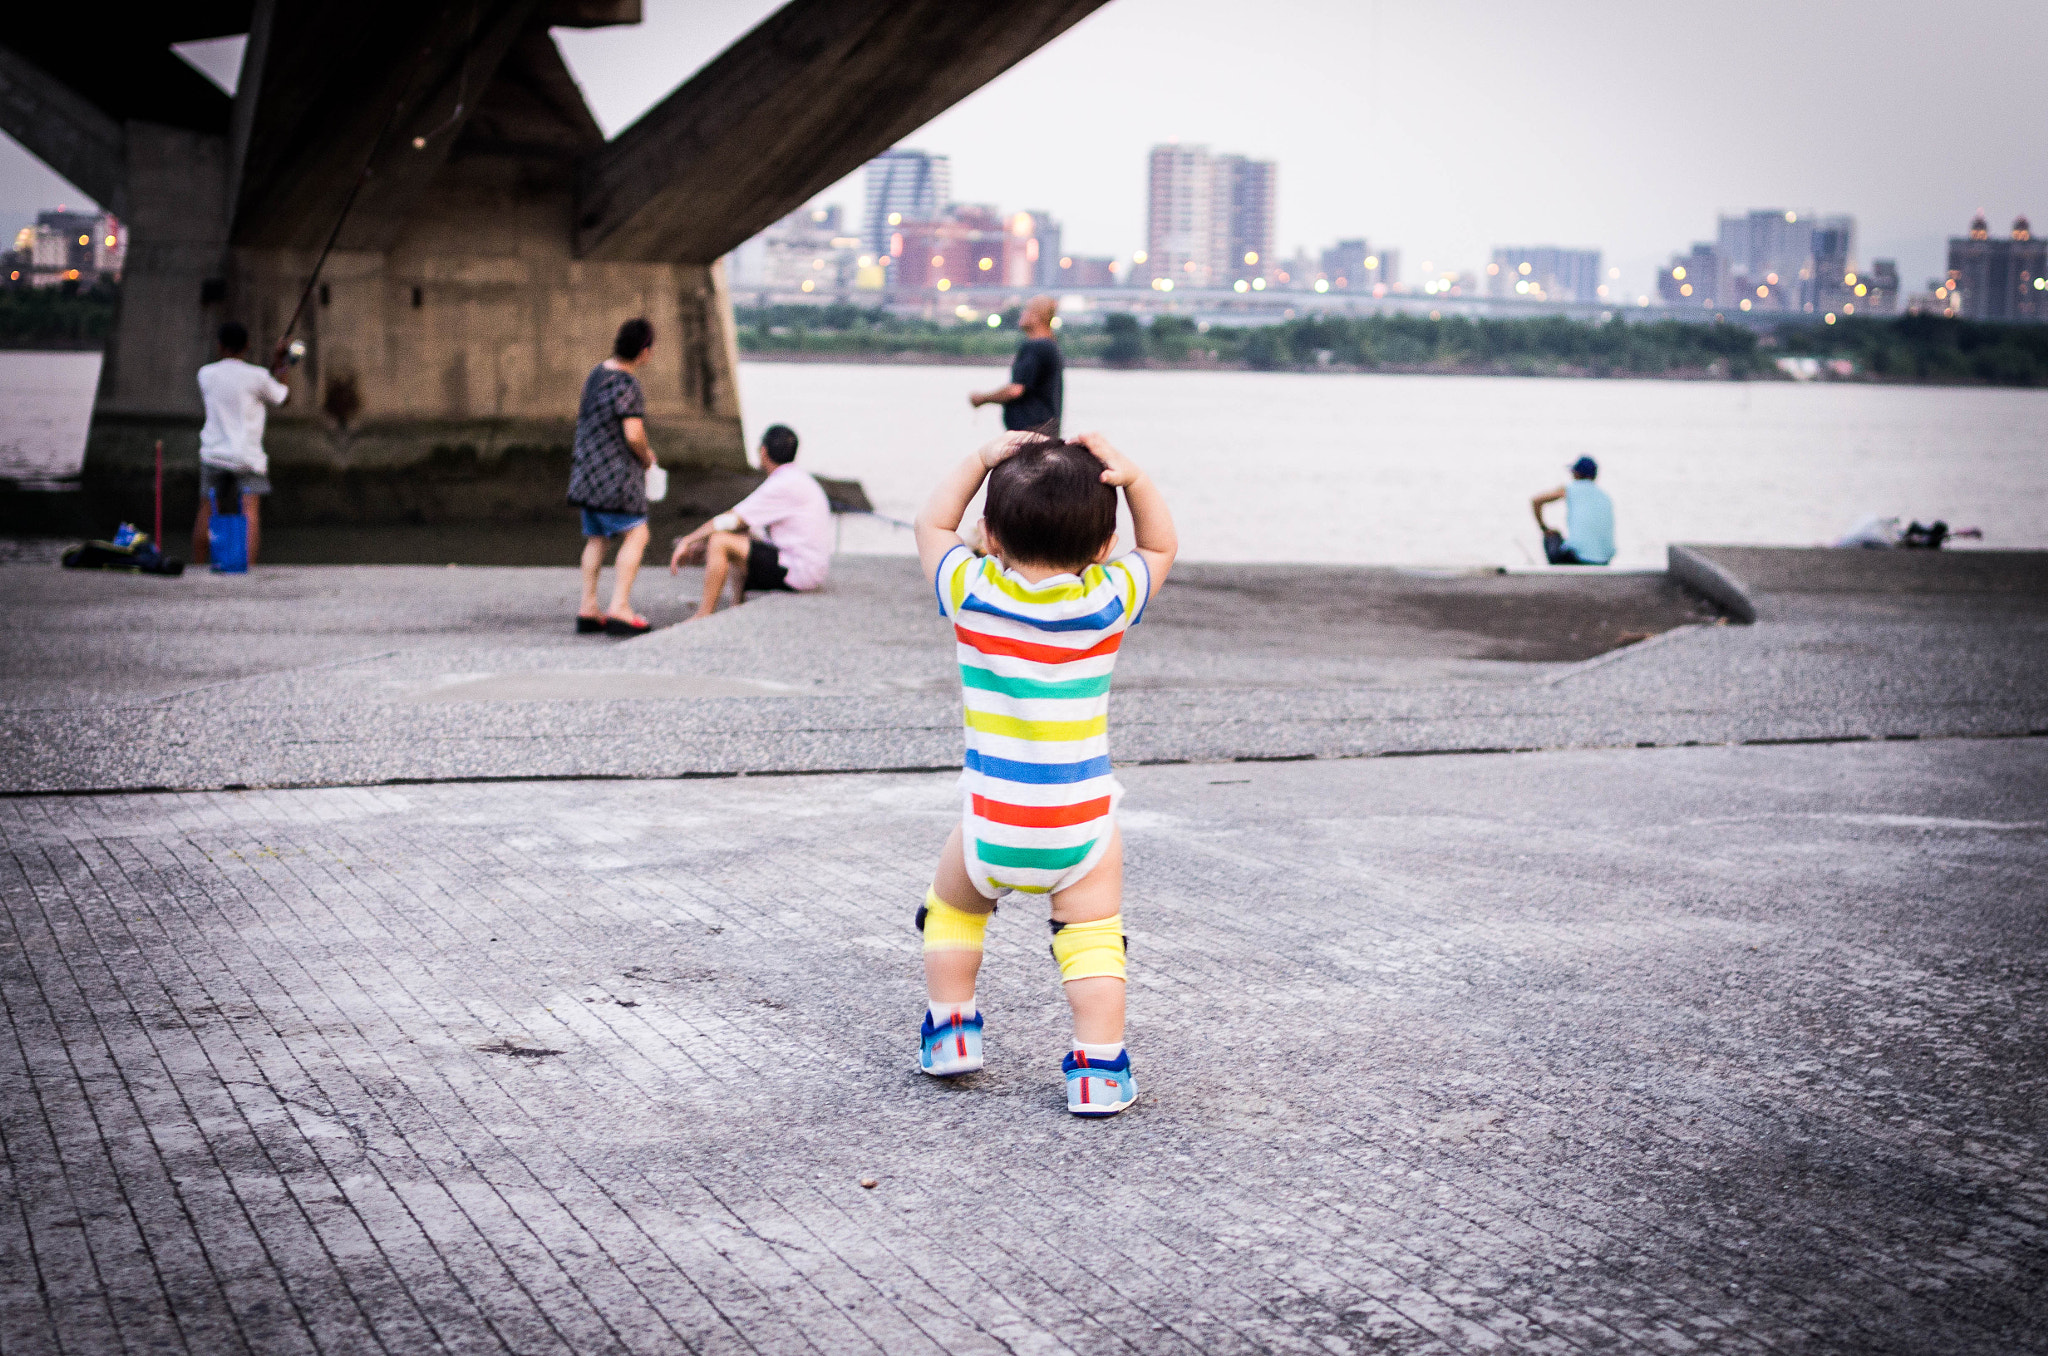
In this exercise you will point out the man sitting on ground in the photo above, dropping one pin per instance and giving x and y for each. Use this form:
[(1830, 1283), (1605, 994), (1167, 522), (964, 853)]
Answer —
[(778, 537), (1588, 536)]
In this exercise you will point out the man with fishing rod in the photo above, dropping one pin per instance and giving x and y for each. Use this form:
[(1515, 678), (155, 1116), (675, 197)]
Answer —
[(234, 470)]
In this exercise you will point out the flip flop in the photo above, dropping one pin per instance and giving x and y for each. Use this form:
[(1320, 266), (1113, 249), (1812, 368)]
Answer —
[(589, 626), (638, 626)]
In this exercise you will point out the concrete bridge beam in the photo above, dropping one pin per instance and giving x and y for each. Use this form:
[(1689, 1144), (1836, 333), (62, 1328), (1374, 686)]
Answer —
[(64, 131), (814, 92)]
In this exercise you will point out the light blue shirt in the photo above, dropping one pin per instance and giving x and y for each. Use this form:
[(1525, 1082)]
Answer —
[(1588, 522)]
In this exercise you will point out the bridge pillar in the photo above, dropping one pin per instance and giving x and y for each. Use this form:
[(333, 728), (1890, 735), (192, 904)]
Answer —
[(487, 239)]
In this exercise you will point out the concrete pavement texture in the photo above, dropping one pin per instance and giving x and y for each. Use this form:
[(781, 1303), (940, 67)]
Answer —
[(322, 675), (430, 1038), (1675, 1050), (318, 676)]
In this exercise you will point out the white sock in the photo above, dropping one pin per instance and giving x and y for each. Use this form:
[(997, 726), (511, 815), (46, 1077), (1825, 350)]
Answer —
[(941, 1012), (1100, 1054)]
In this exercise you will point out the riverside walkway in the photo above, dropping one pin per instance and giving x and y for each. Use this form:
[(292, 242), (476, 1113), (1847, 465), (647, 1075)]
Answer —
[(1712, 1021)]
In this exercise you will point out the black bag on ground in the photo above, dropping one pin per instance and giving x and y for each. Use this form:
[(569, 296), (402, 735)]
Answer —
[(137, 557)]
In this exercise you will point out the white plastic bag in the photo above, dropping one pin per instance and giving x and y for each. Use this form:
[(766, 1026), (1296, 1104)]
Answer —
[(657, 484)]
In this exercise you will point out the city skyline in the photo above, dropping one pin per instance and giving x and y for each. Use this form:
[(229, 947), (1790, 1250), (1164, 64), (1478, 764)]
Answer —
[(1449, 129), (1483, 125)]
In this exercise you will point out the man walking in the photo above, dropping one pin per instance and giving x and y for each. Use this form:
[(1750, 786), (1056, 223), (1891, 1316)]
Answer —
[(232, 462), (778, 537), (1037, 389), (1588, 536)]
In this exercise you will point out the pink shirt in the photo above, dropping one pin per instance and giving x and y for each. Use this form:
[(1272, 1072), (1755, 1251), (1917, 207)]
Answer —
[(790, 512)]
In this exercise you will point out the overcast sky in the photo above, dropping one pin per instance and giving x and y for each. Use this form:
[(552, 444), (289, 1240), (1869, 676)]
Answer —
[(1447, 128)]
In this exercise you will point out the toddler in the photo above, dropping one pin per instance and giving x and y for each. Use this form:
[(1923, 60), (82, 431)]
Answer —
[(1038, 622)]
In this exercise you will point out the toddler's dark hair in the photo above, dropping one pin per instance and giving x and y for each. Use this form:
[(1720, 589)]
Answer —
[(1047, 505)]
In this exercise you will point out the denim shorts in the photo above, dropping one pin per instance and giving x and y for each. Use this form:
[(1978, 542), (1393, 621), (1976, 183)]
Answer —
[(215, 479), (598, 523)]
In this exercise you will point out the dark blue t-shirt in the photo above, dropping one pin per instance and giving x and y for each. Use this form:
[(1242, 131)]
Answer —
[(1040, 371)]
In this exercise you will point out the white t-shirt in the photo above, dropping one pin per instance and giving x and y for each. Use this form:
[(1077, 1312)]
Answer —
[(235, 393)]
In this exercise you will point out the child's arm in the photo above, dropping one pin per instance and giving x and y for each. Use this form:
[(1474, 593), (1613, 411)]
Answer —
[(1150, 520), (938, 523)]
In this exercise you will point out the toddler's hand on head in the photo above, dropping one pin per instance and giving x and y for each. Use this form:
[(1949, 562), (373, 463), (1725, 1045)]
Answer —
[(1117, 469), (996, 449)]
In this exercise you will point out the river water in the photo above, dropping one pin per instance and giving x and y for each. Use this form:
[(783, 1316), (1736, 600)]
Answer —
[(1439, 470), (1373, 469)]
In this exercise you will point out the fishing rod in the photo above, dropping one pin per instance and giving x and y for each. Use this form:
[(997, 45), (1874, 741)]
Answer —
[(296, 350)]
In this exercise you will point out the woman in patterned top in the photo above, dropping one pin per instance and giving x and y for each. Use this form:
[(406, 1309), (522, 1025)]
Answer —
[(608, 479), (1037, 624)]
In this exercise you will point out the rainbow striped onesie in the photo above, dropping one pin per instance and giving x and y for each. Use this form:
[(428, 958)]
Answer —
[(1035, 662)]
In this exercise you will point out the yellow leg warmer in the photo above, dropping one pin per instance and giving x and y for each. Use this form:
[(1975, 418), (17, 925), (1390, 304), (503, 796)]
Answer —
[(1086, 950), (946, 928)]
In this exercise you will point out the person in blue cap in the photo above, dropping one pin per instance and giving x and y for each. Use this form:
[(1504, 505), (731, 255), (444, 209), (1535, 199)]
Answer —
[(1588, 536)]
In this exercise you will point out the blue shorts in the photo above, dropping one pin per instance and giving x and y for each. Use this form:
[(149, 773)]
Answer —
[(597, 523)]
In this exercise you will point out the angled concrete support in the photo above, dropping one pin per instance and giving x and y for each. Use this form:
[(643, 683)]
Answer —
[(799, 103), (64, 131)]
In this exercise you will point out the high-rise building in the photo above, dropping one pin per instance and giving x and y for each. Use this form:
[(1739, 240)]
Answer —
[(1039, 262), (1209, 218), (1700, 278), (1844, 289), (903, 186), (1999, 279), (1777, 258), (970, 245), (1544, 273), (806, 251), (1180, 215), (1247, 230), (80, 247), (1344, 268)]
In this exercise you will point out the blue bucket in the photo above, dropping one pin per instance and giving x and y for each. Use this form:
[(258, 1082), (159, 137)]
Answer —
[(227, 537)]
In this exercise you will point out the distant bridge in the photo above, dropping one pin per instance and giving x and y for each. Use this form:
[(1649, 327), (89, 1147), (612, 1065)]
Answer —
[(486, 239)]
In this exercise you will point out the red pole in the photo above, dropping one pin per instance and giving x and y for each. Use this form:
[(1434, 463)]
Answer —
[(159, 538)]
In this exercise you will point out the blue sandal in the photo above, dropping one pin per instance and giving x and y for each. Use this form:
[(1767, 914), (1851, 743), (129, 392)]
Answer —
[(950, 1048), (1098, 1089)]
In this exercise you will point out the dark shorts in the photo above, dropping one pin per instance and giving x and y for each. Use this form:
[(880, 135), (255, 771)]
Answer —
[(214, 480), (1557, 553), (765, 569)]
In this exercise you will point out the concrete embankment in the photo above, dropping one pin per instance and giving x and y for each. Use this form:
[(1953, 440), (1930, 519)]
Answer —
[(455, 506), (312, 676)]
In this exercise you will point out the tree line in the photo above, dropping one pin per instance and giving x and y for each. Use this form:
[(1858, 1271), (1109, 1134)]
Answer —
[(64, 316), (1914, 348)]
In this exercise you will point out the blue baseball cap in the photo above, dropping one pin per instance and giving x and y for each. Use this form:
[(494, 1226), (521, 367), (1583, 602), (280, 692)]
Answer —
[(1585, 468)]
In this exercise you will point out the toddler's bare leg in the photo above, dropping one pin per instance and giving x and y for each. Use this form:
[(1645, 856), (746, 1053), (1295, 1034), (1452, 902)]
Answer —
[(950, 975), (1098, 1002)]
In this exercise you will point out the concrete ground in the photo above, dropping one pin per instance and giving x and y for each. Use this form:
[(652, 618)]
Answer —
[(1731, 1049), (1616, 1044), (333, 674), (321, 676)]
